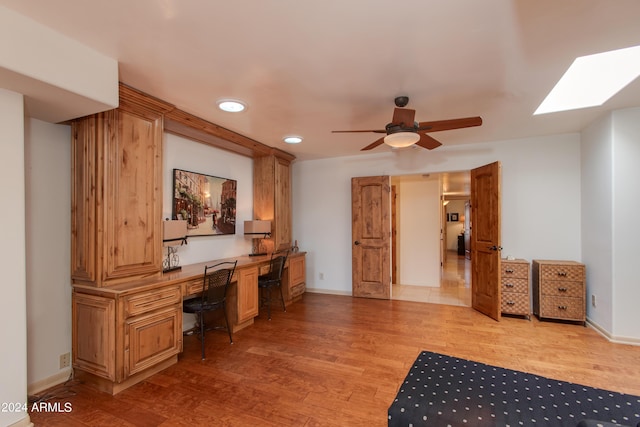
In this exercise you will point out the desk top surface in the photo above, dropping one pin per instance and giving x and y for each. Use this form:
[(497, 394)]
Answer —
[(187, 272)]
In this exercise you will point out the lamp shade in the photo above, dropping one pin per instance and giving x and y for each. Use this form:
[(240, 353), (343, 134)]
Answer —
[(174, 232), (401, 139), (257, 227)]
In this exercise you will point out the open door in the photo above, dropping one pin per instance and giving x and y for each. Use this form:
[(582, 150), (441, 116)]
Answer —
[(371, 233), (485, 239)]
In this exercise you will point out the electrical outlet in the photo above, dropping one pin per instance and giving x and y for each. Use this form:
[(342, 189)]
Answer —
[(65, 360), (593, 300)]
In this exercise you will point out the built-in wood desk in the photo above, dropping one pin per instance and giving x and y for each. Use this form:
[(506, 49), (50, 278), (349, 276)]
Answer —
[(122, 334)]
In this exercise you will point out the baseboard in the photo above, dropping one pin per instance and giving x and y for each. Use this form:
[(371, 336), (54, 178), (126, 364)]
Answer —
[(327, 291), (25, 422), (612, 338), (47, 383)]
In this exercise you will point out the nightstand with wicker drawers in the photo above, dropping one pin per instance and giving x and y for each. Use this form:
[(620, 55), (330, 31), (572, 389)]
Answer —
[(514, 278), (559, 290)]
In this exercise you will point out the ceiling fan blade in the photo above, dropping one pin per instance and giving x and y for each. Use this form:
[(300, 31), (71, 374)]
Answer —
[(428, 142), (373, 144), (403, 116), (450, 124), (351, 131)]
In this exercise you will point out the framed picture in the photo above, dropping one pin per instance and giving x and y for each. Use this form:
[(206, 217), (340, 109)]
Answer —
[(448, 217), (207, 203), (454, 217)]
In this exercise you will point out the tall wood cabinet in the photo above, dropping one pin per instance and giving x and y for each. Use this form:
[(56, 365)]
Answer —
[(116, 192), (272, 197)]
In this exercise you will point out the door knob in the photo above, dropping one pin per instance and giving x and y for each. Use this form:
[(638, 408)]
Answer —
[(357, 242), (495, 248)]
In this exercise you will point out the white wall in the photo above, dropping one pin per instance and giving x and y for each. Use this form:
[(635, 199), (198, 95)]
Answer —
[(540, 199), (418, 231), (13, 317), (48, 181), (626, 207)]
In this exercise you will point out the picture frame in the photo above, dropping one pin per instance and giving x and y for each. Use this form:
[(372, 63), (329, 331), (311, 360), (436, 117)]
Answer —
[(206, 202), (454, 217)]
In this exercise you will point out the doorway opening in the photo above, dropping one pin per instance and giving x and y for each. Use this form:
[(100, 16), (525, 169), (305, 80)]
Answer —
[(430, 215)]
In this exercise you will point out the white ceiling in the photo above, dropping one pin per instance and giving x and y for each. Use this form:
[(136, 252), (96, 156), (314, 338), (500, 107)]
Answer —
[(307, 67)]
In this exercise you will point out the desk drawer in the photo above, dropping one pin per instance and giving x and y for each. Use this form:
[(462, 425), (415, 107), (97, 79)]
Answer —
[(193, 287), (515, 269), (148, 301), (562, 308), (515, 303), (562, 289), (515, 285), (560, 272)]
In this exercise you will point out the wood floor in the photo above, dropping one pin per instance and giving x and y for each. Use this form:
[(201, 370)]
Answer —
[(338, 361)]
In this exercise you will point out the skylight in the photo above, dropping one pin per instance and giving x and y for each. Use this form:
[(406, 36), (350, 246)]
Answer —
[(591, 80)]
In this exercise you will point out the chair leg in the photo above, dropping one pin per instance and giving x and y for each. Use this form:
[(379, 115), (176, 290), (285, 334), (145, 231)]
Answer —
[(268, 301), (224, 310), (202, 332), (284, 307)]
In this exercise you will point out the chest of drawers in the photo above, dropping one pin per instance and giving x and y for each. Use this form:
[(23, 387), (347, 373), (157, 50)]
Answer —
[(559, 290), (514, 278)]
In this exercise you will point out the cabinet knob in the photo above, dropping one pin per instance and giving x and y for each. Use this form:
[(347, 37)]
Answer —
[(562, 289), (562, 273), (509, 285), (509, 270)]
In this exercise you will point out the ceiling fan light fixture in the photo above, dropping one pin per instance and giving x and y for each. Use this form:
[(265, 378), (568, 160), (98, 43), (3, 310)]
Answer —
[(401, 139)]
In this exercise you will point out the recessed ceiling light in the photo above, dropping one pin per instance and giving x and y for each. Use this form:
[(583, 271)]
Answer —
[(231, 105), (591, 80), (293, 139)]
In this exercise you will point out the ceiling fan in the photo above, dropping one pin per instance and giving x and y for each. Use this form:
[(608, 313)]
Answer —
[(403, 131)]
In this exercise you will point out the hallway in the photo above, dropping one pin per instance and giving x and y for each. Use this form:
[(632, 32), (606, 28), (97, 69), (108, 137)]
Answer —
[(454, 289)]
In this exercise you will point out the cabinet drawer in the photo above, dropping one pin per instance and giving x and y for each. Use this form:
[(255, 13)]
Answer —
[(151, 300), (515, 285), (562, 289), (515, 269), (297, 290), (562, 308), (193, 286), (559, 272), (515, 303)]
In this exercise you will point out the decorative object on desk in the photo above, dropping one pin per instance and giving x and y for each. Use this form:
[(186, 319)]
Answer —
[(174, 234), (207, 203), (295, 248), (441, 390), (257, 227)]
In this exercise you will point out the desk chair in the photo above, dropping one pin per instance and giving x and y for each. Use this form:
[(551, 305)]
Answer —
[(273, 279), (215, 284)]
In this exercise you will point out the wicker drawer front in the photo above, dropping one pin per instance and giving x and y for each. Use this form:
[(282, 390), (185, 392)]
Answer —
[(148, 301), (515, 285), (562, 308), (515, 303), (515, 269), (562, 289), (571, 273)]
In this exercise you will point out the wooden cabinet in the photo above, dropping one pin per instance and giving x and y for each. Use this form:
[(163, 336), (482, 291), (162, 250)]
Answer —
[(116, 193), (514, 277), (247, 294), (294, 278), (272, 197), (120, 338), (559, 290)]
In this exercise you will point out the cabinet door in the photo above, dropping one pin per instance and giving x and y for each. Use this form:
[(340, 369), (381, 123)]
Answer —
[(93, 335), (132, 187), (282, 205), (247, 287), (152, 338)]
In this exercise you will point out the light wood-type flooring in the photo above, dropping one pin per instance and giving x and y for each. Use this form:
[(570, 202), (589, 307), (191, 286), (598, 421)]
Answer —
[(338, 361), (454, 289)]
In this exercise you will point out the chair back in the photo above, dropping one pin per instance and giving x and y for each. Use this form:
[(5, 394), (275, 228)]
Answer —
[(276, 265), (216, 281)]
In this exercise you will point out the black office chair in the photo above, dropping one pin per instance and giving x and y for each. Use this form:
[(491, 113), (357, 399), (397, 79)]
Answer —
[(215, 284), (273, 279)]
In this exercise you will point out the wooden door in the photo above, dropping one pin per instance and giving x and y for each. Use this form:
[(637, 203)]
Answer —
[(485, 239), (371, 234), (394, 235)]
